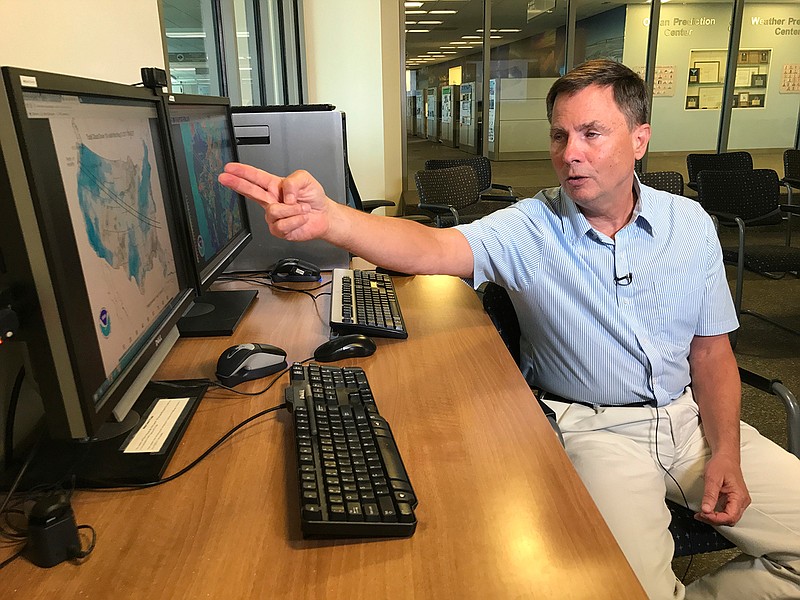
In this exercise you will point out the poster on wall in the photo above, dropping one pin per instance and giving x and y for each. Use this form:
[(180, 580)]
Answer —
[(664, 81), (431, 104), (447, 104), (790, 79), (467, 89), (492, 97)]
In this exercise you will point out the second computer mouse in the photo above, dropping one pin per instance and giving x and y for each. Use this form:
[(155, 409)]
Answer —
[(345, 346), (249, 361), (294, 269)]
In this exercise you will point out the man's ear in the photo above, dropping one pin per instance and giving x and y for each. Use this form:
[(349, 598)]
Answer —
[(640, 137)]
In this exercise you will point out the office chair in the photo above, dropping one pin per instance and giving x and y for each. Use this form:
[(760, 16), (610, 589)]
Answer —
[(483, 169), (725, 161), (791, 179), (745, 199), (354, 201), (667, 181), (451, 196), (690, 536)]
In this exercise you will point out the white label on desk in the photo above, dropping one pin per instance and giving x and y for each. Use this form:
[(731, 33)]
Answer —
[(158, 425)]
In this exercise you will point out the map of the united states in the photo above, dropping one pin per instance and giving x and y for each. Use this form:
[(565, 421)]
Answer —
[(119, 213)]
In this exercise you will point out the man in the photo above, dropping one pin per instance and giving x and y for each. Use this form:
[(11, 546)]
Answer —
[(624, 291)]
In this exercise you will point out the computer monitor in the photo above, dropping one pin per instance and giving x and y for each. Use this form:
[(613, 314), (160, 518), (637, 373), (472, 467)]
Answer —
[(92, 249), (202, 143)]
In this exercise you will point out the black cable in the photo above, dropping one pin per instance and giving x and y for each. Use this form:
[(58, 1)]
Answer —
[(194, 463), (12, 558), (8, 445), (685, 501), (84, 553)]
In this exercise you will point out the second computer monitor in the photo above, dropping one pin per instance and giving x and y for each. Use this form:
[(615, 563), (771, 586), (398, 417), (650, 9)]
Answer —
[(216, 218)]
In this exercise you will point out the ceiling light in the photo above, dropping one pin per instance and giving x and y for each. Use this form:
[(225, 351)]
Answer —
[(447, 47), (513, 30), (416, 12), (449, 52), (470, 37), (458, 43), (431, 22), (442, 12), (185, 34), (412, 4), (411, 22), (418, 30), (475, 43), (496, 37)]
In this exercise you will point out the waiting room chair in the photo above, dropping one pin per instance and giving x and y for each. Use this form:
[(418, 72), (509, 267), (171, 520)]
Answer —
[(451, 196), (690, 536), (668, 181), (483, 169), (791, 180), (725, 161), (747, 199), (354, 200)]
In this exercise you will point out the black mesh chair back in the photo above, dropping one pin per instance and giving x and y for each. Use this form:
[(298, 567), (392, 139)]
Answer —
[(725, 161), (453, 186), (753, 196), (668, 181), (483, 170), (481, 164), (791, 167)]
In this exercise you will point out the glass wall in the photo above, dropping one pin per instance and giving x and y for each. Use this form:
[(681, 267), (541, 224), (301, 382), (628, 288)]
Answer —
[(533, 41), (247, 50)]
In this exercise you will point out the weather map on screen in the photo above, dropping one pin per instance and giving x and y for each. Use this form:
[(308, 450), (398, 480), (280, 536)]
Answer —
[(216, 216), (106, 155)]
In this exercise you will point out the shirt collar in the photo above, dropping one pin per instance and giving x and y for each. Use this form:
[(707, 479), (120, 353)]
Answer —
[(575, 225)]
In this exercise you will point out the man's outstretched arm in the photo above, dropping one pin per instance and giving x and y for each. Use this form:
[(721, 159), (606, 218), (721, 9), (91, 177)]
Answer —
[(297, 209)]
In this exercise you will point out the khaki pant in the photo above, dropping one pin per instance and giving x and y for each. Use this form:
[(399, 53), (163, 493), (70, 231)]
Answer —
[(621, 453)]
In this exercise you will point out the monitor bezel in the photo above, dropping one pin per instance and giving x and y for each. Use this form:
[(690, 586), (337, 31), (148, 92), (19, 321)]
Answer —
[(208, 274), (55, 333)]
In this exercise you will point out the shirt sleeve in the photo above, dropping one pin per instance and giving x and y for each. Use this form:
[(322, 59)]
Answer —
[(717, 311)]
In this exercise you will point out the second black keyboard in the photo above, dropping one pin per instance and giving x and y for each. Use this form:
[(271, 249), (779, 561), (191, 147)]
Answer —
[(365, 302), (352, 479)]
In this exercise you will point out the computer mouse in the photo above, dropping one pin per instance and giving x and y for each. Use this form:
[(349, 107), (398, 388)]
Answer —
[(249, 361), (345, 346), (294, 269)]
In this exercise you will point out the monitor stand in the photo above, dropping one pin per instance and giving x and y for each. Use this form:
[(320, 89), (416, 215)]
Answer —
[(117, 455), (216, 313)]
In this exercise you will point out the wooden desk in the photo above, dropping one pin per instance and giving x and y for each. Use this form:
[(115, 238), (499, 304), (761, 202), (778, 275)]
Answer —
[(501, 512)]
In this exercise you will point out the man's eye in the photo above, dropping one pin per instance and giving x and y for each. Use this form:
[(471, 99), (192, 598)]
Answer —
[(592, 134), (556, 137)]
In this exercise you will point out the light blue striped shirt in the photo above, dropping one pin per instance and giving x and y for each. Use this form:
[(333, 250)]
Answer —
[(584, 336)]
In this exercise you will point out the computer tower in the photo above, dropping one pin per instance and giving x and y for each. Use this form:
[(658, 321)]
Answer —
[(280, 140)]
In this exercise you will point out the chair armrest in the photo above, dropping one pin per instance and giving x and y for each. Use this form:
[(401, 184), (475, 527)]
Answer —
[(507, 197), (370, 205), (790, 208), (439, 210), (790, 403), (723, 217), (791, 182), (693, 185)]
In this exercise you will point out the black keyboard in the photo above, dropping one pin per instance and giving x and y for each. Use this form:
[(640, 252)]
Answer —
[(351, 476), (365, 302)]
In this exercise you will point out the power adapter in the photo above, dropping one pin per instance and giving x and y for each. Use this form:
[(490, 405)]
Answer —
[(52, 532), (154, 78)]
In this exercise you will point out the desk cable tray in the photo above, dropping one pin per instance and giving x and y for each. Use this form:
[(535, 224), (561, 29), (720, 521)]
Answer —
[(352, 479)]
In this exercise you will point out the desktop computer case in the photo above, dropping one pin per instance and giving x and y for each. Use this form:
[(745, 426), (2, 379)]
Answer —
[(281, 140)]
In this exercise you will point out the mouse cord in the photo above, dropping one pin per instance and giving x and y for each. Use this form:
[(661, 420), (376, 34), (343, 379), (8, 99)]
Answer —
[(214, 446), (258, 393), (683, 496)]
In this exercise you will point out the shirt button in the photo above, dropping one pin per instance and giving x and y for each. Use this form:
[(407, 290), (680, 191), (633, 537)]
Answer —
[(626, 301)]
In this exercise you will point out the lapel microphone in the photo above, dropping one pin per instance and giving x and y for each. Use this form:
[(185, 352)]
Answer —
[(624, 280)]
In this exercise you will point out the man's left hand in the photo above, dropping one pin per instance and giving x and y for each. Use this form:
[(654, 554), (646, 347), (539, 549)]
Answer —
[(725, 495)]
